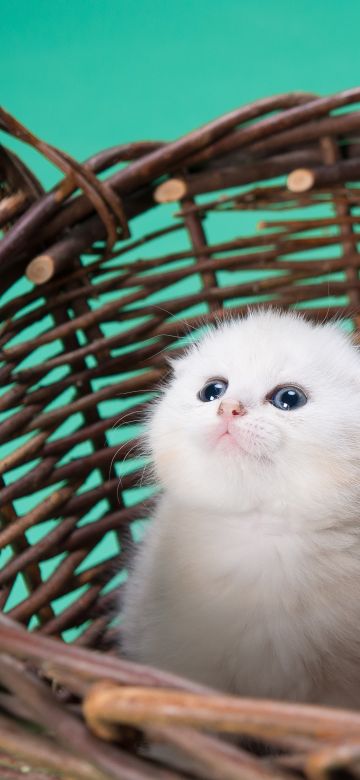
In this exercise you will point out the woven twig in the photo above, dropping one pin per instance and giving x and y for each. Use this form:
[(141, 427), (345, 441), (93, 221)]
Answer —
[(99, 354)]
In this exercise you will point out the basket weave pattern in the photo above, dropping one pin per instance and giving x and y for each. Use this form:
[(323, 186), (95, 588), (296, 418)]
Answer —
[(106, 300)]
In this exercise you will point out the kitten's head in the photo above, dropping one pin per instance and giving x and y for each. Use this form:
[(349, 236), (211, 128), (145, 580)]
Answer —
[(262, 409)]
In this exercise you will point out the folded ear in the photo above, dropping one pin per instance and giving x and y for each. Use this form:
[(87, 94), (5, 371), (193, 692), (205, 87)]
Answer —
[(175, 362), (352, 340), (180, 359), (172, 362), (355, 339)]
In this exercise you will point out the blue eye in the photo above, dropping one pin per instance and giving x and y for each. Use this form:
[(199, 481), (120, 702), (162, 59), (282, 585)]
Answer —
[(212, 390), (288, 398)]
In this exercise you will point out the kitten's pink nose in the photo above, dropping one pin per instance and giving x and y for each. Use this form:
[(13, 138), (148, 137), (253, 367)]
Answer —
[(231, 408)]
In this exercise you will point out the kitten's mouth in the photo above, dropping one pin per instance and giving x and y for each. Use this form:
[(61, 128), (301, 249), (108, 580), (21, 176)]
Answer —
[(227, 435), (231, 445), (227, 440)]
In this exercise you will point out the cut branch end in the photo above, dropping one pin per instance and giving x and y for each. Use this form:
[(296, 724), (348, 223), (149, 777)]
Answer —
[(41, 269), (173, 189), (300, 180)]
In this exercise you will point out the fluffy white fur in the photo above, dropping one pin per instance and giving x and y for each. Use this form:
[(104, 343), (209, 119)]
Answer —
[(249, 577)]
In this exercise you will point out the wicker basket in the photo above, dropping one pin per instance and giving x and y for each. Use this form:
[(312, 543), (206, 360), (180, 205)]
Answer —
[(92, 297)]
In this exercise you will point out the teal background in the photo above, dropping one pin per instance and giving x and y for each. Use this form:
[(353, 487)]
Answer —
[(85, 74)]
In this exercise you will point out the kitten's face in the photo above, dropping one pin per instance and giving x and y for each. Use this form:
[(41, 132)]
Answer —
[(260, 407)]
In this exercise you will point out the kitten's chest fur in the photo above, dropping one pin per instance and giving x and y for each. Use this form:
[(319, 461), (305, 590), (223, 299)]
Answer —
[(256, 605), (267, 559)]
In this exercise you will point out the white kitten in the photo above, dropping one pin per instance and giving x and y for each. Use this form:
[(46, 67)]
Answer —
[(249, 577)]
